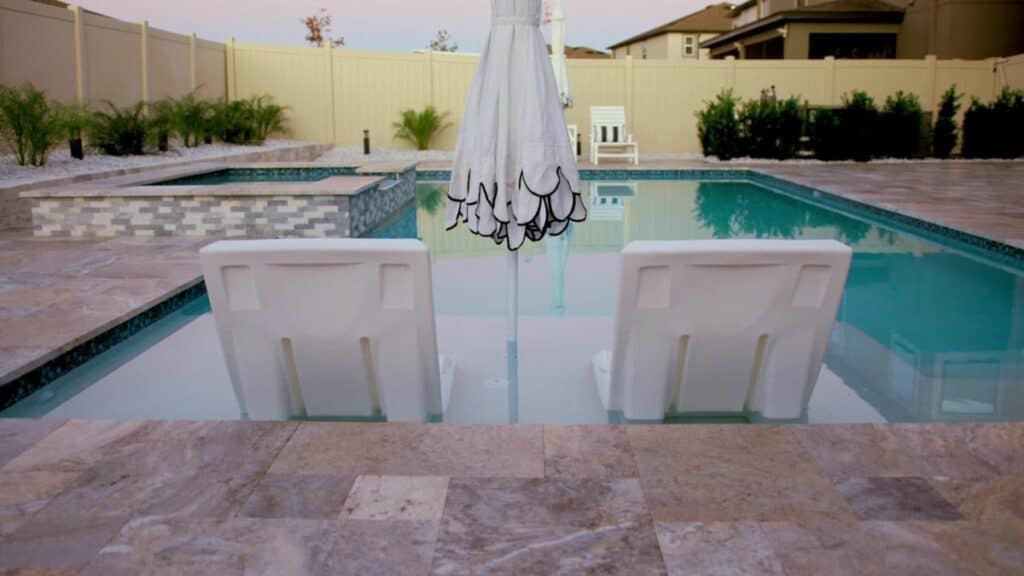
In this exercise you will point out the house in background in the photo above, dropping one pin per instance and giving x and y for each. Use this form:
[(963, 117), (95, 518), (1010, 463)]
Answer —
[(814, 29), (679, 39), (583, 53)]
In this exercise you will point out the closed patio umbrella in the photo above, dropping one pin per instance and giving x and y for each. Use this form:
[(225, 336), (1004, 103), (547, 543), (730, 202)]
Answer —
[(514, 177)]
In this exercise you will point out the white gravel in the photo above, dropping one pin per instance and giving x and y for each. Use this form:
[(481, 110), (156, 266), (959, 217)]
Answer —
[(345, 154), (61, 165)]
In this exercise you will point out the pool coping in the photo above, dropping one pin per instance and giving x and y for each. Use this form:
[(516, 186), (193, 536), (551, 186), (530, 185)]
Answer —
[(23, 381)]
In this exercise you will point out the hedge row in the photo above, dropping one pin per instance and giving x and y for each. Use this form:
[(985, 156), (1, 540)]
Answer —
[(859, 130)]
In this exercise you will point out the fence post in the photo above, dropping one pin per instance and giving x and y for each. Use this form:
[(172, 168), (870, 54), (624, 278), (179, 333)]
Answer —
[(329, 53), (144, 37), (830, 81), (430, 77), (931, 63), (79, 41), (229, 63), (629, 94), (193, 65)]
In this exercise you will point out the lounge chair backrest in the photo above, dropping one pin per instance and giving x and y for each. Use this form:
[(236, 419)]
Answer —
[(326, 327), (608, 123), (724, 326)]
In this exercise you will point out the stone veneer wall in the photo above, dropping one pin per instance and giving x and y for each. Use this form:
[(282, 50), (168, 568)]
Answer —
[(214, 216), (318, 216), (16, 212), (371, 210)]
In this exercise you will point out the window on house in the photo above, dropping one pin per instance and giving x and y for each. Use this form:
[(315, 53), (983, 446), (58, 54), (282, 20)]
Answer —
[(643, 51), (766, 8), (689, 46)]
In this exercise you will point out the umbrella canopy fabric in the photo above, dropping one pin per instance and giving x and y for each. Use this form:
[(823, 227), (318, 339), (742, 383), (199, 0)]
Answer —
[(558, 60), (514, 176)]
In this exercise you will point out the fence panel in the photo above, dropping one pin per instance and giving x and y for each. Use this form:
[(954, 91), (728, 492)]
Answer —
[(37, 46)]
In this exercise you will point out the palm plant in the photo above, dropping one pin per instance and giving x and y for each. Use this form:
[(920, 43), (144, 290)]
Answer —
[(234, 122), (162, 123), (29, 123), (267, 117), (419, 128), (121, 131), (190, 118), (75, 119)]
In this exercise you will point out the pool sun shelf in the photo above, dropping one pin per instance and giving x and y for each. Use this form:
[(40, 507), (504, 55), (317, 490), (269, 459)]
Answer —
[(264, 200)]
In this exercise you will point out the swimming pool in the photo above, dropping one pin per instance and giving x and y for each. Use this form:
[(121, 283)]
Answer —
[(927, 331)]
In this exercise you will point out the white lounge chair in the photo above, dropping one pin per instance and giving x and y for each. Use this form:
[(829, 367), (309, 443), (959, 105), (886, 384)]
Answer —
[(721, 327), (608, 137), (328, 328)]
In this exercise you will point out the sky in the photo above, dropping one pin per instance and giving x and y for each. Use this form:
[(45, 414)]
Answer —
[(386, 25)]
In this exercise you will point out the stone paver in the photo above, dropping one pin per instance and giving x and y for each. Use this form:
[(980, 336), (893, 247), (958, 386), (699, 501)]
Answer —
[(56, 294), (189, 497)]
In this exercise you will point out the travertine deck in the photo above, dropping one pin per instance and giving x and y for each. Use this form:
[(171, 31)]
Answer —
[(56, 294), (330, 498), (983, 198)]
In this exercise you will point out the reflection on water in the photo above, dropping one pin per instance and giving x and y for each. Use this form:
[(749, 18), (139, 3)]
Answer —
[(923, 333)]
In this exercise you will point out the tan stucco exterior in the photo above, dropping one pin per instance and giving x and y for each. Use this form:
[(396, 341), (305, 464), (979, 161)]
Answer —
[(668, 46), (964, 29), (798, 34)]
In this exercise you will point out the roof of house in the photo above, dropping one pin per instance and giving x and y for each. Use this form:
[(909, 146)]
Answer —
[(713, 18), (835, 11), (743, 6), (583, 52)]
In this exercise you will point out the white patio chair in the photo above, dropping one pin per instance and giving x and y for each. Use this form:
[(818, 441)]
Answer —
[(608, 136), (574, 135), (721, 327), (328, 328)]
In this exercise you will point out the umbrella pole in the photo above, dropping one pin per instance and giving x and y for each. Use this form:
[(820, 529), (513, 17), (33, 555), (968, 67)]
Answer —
[(512, 328)]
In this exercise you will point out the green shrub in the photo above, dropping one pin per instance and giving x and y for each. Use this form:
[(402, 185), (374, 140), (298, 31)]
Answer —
[(846, 133), (75, 119), (190, 119), (268, 117), (994, 131), (827, 139), (419, 128), (121, 131), (944, 136), (718, 127), (859, 121), (161, 124), (792, 116), (29, 123), (899, 126), (771, 129), (233, 122), (248, 121)]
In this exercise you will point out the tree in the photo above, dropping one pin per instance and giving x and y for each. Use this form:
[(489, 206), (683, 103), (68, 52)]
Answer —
[(318, 30), (443, 43)]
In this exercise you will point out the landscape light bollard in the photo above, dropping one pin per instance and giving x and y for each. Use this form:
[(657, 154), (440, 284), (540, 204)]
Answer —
[(366, 142)]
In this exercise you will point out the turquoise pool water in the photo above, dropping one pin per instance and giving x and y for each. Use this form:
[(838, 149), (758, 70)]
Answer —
[(245, 175), (925, 332)]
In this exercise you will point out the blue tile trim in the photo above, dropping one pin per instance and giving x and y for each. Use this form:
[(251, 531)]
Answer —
[(977, 246), (23, 386)]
